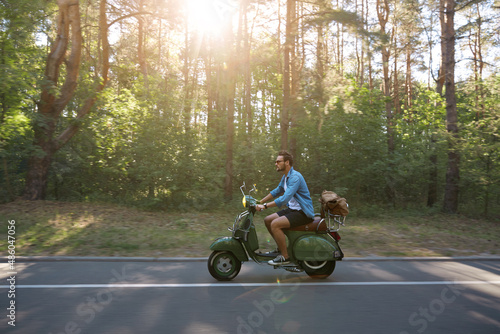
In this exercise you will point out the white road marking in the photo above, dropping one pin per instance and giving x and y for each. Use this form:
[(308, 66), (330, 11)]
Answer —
[(239, 285)]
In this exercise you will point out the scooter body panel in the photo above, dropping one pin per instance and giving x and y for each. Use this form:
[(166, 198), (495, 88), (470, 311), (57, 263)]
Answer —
[(310, 246), (248, 237), (230, 244), (253, 240)]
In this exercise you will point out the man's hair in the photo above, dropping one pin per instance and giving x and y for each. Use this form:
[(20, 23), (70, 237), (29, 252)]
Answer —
[(286, 156)]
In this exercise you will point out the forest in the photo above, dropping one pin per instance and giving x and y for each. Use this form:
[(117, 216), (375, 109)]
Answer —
[(173, 104)]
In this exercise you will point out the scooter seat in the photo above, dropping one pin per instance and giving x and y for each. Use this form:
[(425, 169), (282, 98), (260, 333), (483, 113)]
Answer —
[(318, 224)]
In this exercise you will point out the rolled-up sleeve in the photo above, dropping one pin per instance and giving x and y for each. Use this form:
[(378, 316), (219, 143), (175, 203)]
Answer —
[(279, 189)]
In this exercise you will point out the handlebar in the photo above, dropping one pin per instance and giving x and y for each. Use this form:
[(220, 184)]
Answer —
[(248, 199), (254, 188)]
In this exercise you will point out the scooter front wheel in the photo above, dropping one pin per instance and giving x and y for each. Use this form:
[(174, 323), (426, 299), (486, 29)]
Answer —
[(223, 265), (318, 269)]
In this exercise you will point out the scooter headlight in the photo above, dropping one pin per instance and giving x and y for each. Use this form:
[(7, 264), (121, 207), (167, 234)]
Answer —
[(244, 201)]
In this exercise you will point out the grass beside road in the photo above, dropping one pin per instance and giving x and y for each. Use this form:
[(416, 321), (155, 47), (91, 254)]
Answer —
[(46, 228)]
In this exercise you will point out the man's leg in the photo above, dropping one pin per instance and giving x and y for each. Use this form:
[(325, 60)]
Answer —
[(268, 220), (276, 229)]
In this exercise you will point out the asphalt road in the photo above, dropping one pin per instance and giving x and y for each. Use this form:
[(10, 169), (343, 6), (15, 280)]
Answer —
[(396, 296)]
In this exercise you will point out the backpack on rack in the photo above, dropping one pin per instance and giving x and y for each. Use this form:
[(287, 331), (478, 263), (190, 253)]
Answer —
[(333, 204)]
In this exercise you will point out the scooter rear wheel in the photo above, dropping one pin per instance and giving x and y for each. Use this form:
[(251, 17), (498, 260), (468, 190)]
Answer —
[(223, 265), (318, 269)]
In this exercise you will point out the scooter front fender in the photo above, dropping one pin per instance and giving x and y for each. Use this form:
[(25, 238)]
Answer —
[(230, 244), (315, 248)]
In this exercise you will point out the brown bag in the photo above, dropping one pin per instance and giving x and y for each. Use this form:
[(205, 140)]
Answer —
[(333, 203)]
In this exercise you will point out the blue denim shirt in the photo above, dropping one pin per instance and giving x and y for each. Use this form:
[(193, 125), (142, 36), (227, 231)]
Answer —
[(296, 188)]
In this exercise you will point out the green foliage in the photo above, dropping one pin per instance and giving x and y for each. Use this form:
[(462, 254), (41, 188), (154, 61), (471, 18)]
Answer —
[(20, 70), (148, 141), (481, 147), (14, 150), (420, 134)]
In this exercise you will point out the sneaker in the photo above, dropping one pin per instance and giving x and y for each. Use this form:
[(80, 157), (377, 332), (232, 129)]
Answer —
[(279, 260)]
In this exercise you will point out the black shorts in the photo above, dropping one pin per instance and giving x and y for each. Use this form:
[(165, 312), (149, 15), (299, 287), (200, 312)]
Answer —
[(295, 217)]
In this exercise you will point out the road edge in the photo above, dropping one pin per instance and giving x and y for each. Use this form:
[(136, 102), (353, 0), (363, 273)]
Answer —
[(200, 259)]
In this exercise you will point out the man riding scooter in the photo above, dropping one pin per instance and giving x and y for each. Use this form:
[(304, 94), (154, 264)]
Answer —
[(293, 192)]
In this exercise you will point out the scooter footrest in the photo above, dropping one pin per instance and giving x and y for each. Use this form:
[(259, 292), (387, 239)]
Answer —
[(273, 255)]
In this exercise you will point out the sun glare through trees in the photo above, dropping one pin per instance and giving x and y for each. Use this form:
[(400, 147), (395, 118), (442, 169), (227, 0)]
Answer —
[(211, 16)]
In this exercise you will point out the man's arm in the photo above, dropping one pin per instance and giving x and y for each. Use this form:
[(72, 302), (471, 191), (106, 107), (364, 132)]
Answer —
[(267, 198), (263, 206)]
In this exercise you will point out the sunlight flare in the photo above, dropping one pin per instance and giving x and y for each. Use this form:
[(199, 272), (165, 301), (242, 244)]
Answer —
[(211, 16)]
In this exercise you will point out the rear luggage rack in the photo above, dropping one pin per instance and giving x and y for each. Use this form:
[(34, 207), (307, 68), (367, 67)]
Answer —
[(333, 222)]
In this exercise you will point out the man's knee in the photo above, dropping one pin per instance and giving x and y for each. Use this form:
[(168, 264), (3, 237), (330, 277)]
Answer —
[(269, 219), (275, 226), (279, 223)]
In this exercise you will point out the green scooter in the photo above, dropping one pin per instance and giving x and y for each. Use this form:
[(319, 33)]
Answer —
[(313, 248)]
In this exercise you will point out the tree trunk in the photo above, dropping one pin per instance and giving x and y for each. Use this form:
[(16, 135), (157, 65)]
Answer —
[(4, 107), (383, 17), (450, 204), (187, 87), (248, 85), (475, 46), (212, 85), (51, 105), (363, 45), (395, 74), (141, 52), (287, 78), (320, 100), (320, 77), (229, 95), (295, 114), (433, 158), (408, 81), (433, 175)]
